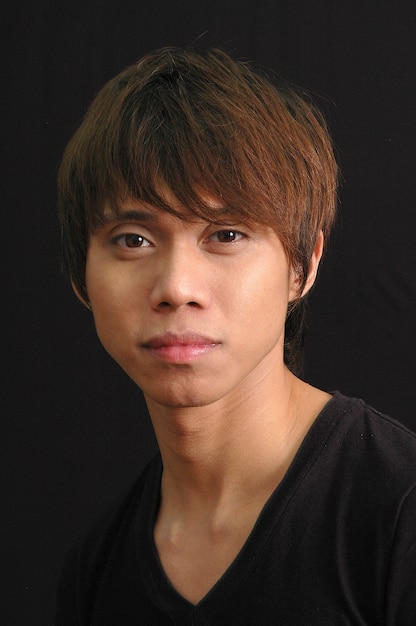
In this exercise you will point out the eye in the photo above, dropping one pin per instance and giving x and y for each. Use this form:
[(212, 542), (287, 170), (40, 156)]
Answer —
[(227, 236), (131, 240)]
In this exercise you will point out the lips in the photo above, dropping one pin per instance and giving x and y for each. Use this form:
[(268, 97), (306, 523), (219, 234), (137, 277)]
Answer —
[(180, 348)]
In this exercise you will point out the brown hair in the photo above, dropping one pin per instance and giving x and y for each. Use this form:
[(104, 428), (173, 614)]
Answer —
[(200, 121)]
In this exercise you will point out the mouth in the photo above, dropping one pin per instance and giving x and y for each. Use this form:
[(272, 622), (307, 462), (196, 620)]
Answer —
[(182, 348)]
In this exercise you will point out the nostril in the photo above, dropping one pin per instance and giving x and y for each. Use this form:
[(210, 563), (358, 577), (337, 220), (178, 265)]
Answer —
[(165, 304)]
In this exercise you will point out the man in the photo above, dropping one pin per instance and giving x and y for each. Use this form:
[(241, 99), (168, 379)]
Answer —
[(195, 200)]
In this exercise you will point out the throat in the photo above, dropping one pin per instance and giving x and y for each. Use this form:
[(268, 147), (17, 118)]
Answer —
[(198, 539), (194, 558)]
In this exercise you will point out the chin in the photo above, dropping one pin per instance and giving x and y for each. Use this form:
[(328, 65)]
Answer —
[(181, 390), (182, 397), (187, 401)]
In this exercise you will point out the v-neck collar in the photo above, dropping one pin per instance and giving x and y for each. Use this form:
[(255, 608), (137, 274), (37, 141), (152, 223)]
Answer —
[(159, 588)]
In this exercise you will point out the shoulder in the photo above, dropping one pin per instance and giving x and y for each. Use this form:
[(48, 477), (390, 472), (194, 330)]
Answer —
[(369, 444), (109, 523), (88, 558), (357, 418)]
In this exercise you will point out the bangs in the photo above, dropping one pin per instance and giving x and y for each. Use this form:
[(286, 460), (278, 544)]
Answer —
[(168, 137)]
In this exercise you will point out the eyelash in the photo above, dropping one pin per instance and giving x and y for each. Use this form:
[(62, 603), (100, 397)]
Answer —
[(230, 231), (122, 240)]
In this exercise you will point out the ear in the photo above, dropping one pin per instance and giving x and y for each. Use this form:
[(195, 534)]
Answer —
[(79, 296), (312, 270)]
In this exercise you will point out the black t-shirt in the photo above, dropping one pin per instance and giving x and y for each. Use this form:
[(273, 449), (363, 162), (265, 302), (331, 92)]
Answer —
[(335, 544)]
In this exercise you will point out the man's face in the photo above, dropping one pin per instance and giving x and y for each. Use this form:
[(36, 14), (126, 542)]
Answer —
[(192, 311)]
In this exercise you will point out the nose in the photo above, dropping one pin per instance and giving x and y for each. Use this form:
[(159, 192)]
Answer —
[(181, 279)]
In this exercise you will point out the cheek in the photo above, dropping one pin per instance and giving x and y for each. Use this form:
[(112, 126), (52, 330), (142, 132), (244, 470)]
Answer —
[(108, 288), (109, 300), (262, 299)]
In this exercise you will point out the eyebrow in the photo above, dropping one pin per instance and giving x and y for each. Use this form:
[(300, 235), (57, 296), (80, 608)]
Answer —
[(142, 215), (135, 215)]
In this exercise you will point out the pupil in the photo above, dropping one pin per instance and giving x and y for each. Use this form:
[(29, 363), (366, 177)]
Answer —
[(134, 240)]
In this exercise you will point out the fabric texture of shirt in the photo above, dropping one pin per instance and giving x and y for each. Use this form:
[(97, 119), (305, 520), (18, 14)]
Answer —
[(334, 545)]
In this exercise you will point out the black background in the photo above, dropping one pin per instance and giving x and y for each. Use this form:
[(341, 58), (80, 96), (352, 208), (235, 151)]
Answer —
[(74, 429)]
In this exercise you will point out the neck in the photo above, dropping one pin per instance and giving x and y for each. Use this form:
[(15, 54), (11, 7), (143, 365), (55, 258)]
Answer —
[(236, 447)]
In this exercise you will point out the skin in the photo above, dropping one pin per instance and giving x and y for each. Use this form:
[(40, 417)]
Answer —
[(194, 313)]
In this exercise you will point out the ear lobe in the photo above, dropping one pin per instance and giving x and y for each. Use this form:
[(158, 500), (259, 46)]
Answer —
[(80, 297), (314, 263)]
